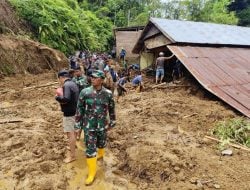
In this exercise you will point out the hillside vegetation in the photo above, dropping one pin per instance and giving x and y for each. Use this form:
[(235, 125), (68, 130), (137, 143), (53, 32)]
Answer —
[(64, 25)]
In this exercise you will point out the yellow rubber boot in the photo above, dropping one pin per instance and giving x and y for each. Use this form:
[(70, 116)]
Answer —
[(91, 162), (100, 153)]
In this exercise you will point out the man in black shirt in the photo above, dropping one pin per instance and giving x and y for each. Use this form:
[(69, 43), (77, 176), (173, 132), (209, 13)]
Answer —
[(68, 101)]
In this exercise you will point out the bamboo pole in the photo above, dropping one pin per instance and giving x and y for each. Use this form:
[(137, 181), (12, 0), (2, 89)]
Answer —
[(231, 144)]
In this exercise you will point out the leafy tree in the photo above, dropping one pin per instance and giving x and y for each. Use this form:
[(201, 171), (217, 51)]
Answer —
[(217, 11), (201, 10), (192, 9), (244, 17), (242, 9)]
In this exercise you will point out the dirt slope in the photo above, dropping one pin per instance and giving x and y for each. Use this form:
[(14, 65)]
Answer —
[(154, 146), (20, 55), (161, 147)]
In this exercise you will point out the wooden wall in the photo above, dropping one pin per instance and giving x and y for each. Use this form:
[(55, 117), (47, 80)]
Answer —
[(127, 40)]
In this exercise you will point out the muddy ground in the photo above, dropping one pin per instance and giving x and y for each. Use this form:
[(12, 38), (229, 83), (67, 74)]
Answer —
[(158, 142)]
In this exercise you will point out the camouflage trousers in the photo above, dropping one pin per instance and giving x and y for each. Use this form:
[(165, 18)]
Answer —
[(94, 140)]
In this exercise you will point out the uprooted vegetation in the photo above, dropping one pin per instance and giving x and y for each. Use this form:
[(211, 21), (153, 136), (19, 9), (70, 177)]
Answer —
[(235, 130)]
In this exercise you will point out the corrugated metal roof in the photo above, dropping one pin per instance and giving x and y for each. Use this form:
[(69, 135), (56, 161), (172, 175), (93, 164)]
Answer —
[(202, 33), (225, 72)]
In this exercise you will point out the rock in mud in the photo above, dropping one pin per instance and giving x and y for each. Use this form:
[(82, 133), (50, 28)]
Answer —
[(227, 152)]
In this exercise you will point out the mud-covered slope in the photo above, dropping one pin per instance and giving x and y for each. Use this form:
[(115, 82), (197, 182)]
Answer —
[(159, 142), (23, 55)]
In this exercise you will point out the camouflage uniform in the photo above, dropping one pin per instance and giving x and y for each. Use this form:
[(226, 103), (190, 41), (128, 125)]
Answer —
[(81, 82), (92, 111)]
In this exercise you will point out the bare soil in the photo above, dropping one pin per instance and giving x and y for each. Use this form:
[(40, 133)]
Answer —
[(19, 55), (158, 142)]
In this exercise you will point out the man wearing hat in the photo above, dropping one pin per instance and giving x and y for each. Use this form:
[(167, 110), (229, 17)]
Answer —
[(94, 106), (68, 101)]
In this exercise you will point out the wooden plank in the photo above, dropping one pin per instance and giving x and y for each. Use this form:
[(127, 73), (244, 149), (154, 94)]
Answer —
[(40, 86), (156, 42), (153, 31), (231, 144), (11, 121)]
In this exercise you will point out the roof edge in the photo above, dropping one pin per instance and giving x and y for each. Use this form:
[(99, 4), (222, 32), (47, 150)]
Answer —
[(163, 32)]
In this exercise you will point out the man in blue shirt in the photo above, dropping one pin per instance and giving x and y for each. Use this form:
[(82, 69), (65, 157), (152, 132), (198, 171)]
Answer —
[(120, 86), (137, 81)]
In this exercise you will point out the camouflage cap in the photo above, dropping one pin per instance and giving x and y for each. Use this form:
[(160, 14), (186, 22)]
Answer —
[(98, 74)]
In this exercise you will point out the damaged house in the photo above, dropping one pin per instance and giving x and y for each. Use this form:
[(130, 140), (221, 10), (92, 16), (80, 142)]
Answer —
[(217, 55)]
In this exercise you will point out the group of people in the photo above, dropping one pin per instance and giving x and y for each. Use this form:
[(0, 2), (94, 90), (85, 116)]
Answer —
[(87, 100), (87, 103), (88, 109), (116, 75)]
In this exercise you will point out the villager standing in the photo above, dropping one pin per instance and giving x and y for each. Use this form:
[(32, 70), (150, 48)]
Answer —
[(159, 64), (123, 55), (68, 103), (95, 104)]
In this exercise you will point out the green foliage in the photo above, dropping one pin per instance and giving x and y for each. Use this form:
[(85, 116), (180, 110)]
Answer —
[(140, 20), (233, 130), (217, 11), (244, 17), (194, 8), (242, 9), (63, 25)]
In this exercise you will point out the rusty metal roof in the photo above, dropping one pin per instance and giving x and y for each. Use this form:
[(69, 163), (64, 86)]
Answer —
[(223, 71), (202, 33)]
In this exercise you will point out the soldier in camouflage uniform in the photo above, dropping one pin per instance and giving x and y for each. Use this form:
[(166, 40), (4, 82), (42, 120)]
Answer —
[(95, 104), (81, 81), (79, 78)]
